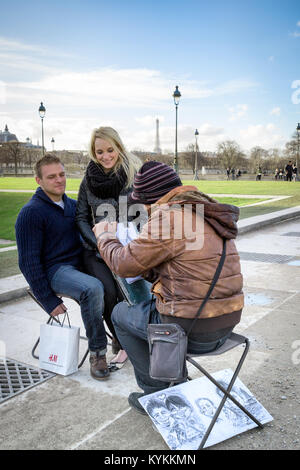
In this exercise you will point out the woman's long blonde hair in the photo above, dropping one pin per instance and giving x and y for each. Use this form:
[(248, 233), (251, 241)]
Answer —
[(130, 162)]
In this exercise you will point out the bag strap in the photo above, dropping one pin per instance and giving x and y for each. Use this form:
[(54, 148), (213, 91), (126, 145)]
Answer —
[(58, 320), (213, 283)]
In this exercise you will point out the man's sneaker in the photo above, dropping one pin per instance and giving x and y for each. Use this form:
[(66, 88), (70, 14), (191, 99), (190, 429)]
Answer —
[(134, 402), (98, 366)]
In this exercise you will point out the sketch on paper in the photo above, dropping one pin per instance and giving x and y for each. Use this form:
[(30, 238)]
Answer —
[(183, 413)]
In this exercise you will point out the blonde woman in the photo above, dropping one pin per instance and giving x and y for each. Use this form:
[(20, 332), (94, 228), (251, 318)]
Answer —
[(108, 176)]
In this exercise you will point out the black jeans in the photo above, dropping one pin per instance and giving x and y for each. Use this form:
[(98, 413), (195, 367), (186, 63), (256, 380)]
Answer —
[(96, 267)]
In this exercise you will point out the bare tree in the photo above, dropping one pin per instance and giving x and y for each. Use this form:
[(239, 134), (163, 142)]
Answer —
[(257, 155), (12, 152), (291, 148), (229, 154)]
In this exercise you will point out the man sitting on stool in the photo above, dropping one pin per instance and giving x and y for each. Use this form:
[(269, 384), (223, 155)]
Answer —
[(49, 250)]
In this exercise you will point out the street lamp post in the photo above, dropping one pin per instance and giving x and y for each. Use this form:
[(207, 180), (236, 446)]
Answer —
[(52, 142), (42, 112), (196, 156), (176, 96)]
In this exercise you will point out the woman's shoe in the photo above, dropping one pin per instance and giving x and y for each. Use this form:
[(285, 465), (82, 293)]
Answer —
[(118, 362)]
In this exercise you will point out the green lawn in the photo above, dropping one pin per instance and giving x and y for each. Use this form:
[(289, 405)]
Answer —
[(30, 183), (272, 188), (276, 188), (11, 203), (10, 206)]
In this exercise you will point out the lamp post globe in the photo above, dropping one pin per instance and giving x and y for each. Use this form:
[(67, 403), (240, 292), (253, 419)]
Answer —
[(42, 112), (52, 142), (176, 96)]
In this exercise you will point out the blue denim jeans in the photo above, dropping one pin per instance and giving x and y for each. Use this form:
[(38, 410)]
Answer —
[(89, 292), (131, 323)]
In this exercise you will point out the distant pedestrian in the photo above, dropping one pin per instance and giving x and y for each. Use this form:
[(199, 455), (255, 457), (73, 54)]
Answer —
[(238, 173), (295, 172), (233, 173), (228, 173), (289, 171), (258, 174), (276, 174), (281, 174)]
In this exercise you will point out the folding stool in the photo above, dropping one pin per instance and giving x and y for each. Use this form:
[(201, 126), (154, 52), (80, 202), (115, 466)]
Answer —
[(233, 341), (29, 292)]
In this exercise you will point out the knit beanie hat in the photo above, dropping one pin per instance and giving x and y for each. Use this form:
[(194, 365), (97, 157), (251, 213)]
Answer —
[(152, 181)]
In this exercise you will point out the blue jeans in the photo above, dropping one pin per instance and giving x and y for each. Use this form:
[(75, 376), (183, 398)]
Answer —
[(89, 292), (131, 323)]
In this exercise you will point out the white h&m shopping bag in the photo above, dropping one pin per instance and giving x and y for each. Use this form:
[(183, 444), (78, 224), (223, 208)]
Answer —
[(59, 348)]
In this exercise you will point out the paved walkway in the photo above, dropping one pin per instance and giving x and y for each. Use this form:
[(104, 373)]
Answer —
[(77, 412)]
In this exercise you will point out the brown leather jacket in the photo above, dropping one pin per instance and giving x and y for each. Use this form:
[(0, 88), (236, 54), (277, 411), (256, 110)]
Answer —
[(182, 268)]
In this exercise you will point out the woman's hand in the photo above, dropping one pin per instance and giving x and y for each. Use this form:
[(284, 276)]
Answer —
[(105, 228)]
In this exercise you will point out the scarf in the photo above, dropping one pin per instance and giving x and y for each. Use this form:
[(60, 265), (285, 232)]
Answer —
[(105, 185)]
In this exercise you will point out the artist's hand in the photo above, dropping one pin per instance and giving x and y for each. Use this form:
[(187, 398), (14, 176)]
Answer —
[(59, 310), (105, 227)]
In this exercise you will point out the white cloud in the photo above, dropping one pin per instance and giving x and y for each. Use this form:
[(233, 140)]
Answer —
[(266, 136), (149, 120), (145, 138), (76, 101), (296, 34), (2, 92), (275, 111), (9, 45), (208, 130), (115, 87), (238, 111)]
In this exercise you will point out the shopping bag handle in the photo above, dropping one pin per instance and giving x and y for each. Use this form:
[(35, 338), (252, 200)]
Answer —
[(58, 320)]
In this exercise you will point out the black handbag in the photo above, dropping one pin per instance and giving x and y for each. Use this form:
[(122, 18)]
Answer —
[(168, 341)]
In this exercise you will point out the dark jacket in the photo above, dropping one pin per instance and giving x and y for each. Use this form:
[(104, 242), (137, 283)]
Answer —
[(47, 238), (92, 209)]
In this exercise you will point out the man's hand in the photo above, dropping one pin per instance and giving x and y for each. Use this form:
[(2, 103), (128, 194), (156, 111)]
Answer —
[(59, 310), (105, 227)]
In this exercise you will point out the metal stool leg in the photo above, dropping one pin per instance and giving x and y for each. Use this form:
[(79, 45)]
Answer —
[(83, 359), (226, 394)]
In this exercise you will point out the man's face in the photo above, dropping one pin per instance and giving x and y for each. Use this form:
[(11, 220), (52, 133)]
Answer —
[(53, 180)]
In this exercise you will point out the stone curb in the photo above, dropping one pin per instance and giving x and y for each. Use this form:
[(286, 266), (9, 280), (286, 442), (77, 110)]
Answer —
[(260, 221), (13, 294)]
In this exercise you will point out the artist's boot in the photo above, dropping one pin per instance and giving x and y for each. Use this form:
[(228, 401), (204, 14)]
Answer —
[(133, 401)]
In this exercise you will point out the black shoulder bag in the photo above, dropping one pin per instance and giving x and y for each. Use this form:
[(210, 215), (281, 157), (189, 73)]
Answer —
[(168, 341)]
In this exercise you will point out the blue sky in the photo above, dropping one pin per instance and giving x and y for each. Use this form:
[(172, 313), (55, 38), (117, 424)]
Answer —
[(117, 63)]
